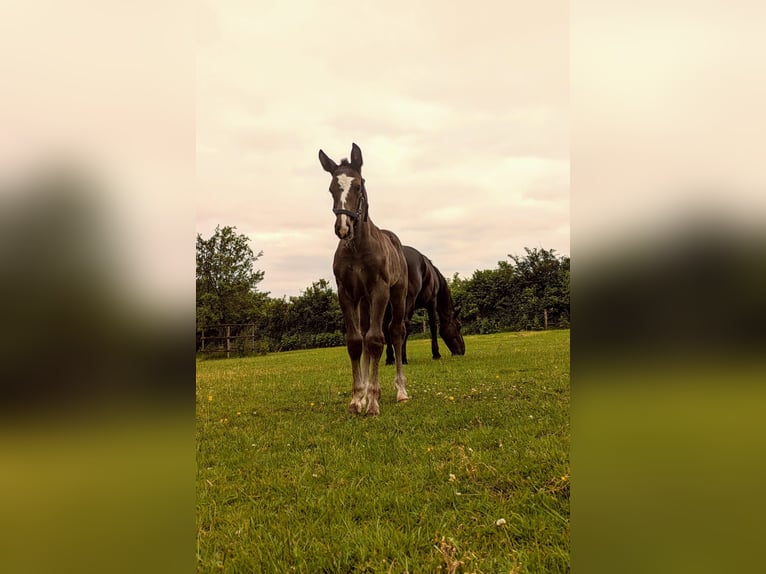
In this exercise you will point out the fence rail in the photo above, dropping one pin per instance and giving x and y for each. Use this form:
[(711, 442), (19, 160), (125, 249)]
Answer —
[(228, 337)]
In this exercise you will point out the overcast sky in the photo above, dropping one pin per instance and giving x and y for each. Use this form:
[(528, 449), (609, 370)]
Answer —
[(461, 115)]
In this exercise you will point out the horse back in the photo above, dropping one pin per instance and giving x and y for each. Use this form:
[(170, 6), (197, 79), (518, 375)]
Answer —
[(423, 278), (397, 260)]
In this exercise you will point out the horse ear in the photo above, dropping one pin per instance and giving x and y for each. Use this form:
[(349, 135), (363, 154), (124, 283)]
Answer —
[(356, 157), (328, 164)]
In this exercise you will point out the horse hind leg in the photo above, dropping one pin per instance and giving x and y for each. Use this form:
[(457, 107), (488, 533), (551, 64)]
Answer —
[(389, 353), (387, 334)]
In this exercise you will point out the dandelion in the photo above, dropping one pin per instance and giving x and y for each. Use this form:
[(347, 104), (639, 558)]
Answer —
[(500, 522), (210, 398), (451, 398), (452, 477), (311, 404)]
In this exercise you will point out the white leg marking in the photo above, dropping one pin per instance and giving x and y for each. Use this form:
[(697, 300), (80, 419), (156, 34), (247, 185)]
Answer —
[(401, 389)]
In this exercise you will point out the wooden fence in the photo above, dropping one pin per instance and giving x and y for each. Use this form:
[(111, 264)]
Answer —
[(243, 331)]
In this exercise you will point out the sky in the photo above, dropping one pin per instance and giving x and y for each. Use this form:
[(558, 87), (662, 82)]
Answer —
[(475, 122), (461, 115)]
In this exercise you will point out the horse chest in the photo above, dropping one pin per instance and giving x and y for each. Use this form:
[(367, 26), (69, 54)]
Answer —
[(356, 273)]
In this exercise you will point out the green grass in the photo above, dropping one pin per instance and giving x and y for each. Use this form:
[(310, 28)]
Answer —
[(288, 481)]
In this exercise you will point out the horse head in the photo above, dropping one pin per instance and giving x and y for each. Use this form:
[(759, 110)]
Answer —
[(449, 324), (348, 192), (450, 333)]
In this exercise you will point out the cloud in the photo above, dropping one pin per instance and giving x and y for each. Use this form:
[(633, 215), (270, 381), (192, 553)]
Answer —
[(461, 116)]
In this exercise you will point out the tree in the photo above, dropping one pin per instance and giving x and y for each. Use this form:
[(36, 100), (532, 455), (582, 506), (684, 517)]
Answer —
[(316, 310), (226, 280), (543, 280), (528, 292)]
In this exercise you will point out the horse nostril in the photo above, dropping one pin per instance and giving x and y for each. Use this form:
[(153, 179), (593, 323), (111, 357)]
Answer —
[(342, 228)]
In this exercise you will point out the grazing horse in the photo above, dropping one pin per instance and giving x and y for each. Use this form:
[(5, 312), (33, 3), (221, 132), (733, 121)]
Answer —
[(371, 272), (428, 290)]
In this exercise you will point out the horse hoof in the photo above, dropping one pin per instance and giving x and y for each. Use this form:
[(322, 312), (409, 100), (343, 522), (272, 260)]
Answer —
[(437, 357), (354, 408), (402, 398), (373, 412)]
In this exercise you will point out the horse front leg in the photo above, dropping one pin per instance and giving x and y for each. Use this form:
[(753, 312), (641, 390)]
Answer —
[(374, 342), (354, 345), (360, 382), (432, 324)]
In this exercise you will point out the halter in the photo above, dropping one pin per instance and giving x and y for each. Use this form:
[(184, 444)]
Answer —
[(360, 209)]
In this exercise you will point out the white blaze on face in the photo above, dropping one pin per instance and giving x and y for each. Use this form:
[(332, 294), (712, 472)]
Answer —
[(344, 182)]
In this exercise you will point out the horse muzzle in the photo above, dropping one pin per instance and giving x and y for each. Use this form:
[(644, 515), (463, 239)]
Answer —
[(344, 227)]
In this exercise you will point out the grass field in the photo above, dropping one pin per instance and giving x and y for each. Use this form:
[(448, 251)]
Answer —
[(470, 475)]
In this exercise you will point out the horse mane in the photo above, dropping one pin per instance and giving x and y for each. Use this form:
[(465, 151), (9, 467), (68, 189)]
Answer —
[(444, 301), (344, 161)]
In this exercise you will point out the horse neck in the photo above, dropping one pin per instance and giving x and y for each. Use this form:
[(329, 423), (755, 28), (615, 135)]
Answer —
[(364, 233), (364, 236), (445, 308)]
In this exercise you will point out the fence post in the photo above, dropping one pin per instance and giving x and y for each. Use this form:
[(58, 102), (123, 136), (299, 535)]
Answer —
[(228, 340)]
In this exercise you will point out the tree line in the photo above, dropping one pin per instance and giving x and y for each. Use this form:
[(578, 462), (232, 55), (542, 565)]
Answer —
[(524, 293)]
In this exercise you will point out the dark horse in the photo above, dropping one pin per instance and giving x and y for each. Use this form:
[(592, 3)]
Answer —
[(428, 290), (371, 272)]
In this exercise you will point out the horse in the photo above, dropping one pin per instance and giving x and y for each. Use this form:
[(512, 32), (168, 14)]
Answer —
[(371, 273), (428, 289)]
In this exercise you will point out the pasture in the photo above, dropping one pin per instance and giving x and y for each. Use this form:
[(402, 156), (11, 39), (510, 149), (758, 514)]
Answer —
[(470, 475)]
